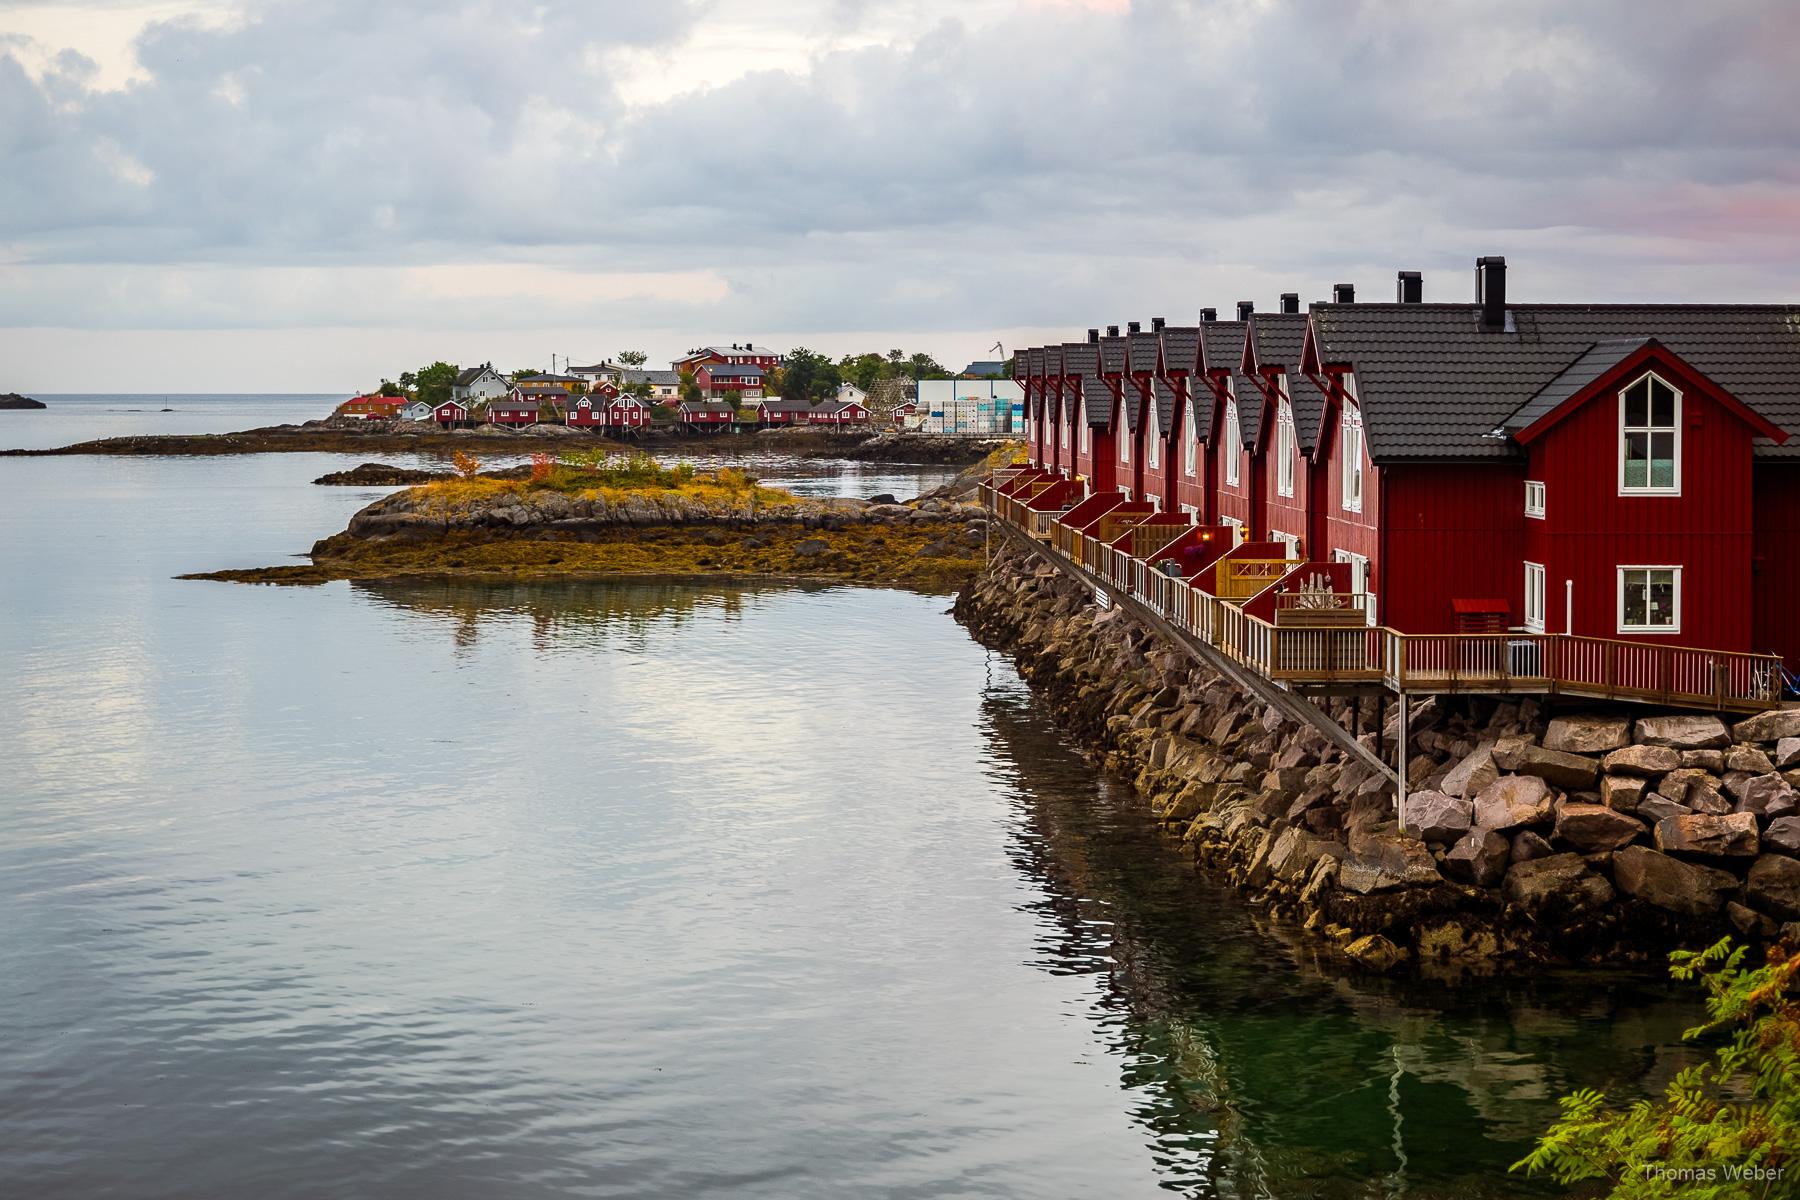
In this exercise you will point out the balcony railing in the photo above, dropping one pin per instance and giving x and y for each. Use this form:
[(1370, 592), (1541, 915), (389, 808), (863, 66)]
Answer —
[(1324, 638)]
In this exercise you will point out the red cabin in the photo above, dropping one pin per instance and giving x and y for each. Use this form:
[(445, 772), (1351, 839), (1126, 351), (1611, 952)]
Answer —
[(702, 416), (838, 414), (452, 414), (372, 407)]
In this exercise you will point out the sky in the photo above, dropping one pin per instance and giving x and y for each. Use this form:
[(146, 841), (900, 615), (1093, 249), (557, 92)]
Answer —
[(309, 195)]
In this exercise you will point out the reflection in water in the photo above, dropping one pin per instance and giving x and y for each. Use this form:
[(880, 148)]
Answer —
[(1253, 1070)]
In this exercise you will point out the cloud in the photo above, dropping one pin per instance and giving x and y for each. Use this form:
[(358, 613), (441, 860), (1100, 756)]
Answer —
[(922, 165)]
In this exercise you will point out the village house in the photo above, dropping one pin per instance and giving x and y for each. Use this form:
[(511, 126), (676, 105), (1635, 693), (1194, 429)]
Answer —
[(415, 410), (453, 414), (746, 355), (372, 407), (601, 372), (665, 386), (715, 380), (1616, 472), (773, 410), (838, 414), (705, 416), (544, 384), (474, 385)]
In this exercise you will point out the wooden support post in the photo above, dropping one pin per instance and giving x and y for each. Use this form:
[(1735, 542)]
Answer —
[(1400, 745)]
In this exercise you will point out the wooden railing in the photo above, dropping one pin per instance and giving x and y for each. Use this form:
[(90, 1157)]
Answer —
[(1310, 643)]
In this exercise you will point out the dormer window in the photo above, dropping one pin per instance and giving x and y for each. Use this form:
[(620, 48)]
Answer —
[(1650, 438), (1153, 443), (1193, 443), (1284, 449), (1124, 438), (1351, 453), (1233, 448)]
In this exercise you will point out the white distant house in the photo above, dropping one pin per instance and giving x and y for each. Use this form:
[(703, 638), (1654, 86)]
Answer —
[(477, 385), (600, 372), (418, 410), (665, 386), (849, 393)]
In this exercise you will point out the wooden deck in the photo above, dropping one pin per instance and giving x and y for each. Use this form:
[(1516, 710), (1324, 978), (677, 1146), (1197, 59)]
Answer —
[(1320, 650)]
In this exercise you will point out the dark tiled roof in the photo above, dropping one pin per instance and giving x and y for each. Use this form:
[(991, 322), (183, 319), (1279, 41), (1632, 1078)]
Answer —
[(1200, 405), (468, 375), (1112, 355), (1165, 404), (705, 406), (782, 405), (1141, 350), (1098, 399), (1034, 362), (1053, 360), (1600, 358), (654, 378), (984, 368), (1435, 385), (1080, 358), (1131, 400), (1181, 347), (1221, 345), (1249, 406), (1278, 339)]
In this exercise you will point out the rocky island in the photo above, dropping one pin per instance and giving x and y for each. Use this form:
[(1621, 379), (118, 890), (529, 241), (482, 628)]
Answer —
[(12, 400), (630, 516)]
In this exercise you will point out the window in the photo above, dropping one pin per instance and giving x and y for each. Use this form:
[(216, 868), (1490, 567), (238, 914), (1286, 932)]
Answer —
[(1351, 454), (1233, 447), (1534, 498), (1284, 449), (1087, 437), (1290, 540), (1534, 597), (1192, 510), (1237, 529), (1359, 579), (1649, 599), (1062, 436), (1650, 438), (1192, 442), (1124, 428), (1153, 440)]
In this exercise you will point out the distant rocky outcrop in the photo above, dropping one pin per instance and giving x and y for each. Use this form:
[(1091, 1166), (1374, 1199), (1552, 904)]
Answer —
[(14, 400), (371, 474)]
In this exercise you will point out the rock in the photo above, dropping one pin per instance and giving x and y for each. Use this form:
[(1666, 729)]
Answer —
[(1676, 784), (372, 474), (1385, 861), (1556, 889), (1647, 761), (12, 400), (1683, 732), (1436, 817), (1773, 887), (1593, 828), (1571, 772), (1769, 726), (1296, 851), (1622, 792), (1588, 733), (1479, 857), (885, 498), (1472, 775), (1767, 796), (1750, 923), (1512, 801), (1748, 759), (1711, 761), (1527, 845), (1680, 887), (811, 547), (1375, 953), (1730, 836), (1654, 808), (1787, 753), (1507, 750), (1782, 835)]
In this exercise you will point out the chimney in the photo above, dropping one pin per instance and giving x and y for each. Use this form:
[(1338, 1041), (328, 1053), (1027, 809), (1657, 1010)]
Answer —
[(1157, 324), (1245, 308), (1112, 331), (1093, 337), (1208, 315), (1343, 293), (1411, 288), (1133, 327), (1490, 291), (1290, 302)]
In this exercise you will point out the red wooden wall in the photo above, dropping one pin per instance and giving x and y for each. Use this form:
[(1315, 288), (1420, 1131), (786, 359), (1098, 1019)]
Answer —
[(1451, 531), (1775, 581)]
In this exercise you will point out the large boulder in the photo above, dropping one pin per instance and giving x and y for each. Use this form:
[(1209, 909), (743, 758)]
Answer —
[(1588, 733), (1296, 851), (1469, 777), (1555, 889), (1647, 761), (1769, 726), (1767, 796), (1654, 808), (1382, 862), (1683, 732), (1782, 835), (1512, 801), (1479, 857), (1787, 753), (1528, 844), (1571, 772), (1748, 759), (1730, 836), (1774, 887), (1595, 828), (1375, 953), (1436, 817), (1622, 792), (1686, 888)]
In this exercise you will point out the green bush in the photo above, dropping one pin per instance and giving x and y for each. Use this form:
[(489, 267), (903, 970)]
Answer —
[(1728, 1129)]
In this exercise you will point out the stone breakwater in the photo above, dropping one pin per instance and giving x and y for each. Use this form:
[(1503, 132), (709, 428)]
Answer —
[(1534, 832)]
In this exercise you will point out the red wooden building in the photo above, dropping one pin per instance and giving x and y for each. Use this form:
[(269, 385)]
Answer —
[(715, 380), (747, 354), (839, 414), (703, 416), (372, 407), (774, 410), (452, 414), (516, 408)]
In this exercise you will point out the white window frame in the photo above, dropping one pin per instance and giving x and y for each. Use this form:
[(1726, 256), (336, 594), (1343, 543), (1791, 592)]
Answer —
[(1153, 440), (1191, 443), (1628, 568), (1536, 597), (1237, 529), (1290, 540), (1649, 428), (1192, 510), (1124, 431), (1087, 436), (1350, 452), (1062, 435), (1534, 499), (1284, 448), (1359, 578), (1233, 448)]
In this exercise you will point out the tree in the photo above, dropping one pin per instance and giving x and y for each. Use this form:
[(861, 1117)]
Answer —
[(390, 388), (690, 386), (1728, 1130), (923, 366), (806, 376), (432, 384), (733, 396), (407, 379), (466, 465), (633, 359)]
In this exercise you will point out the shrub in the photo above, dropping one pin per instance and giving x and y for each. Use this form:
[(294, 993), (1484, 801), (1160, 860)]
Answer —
[(1728, 1129), (467, 465), (541, 463)]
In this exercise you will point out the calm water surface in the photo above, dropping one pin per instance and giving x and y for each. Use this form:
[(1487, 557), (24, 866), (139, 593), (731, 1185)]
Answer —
[(626, 891)]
